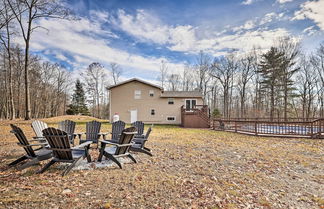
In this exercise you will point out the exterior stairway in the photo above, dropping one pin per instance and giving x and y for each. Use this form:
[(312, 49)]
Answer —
[(197, 117)]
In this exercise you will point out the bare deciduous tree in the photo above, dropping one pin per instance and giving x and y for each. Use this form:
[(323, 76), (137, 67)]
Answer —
[(26, 12), (115, 71)]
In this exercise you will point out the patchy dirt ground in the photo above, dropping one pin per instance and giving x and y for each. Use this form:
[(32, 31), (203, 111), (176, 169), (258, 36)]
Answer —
[(191, 168)]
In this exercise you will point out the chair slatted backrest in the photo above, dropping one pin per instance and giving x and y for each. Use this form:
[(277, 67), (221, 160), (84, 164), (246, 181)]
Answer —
[(68, 126), (139, 125), (38, 126), (22, 140), (117, 129), (125, 138), (92, 131), (59, 143)]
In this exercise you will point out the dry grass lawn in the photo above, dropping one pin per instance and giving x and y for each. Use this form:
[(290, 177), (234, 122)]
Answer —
[(191, 168)]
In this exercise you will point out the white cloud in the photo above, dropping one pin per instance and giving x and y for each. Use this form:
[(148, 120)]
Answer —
[(247, 25), (147, 27), (244, 42), (143, 26), (247, 2), (313, 10), (86, 42), (309, 31), (269, 17), (83, 42), (183, 38), (283, 1)]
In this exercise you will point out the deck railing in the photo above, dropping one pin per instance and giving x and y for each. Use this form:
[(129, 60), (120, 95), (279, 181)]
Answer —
[(201, 111), (263, 127)]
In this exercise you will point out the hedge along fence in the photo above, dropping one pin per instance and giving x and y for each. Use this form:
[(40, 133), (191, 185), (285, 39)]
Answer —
[(264, 127)]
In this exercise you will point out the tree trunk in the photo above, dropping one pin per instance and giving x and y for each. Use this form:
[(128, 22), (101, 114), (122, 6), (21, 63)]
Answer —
[(11, 101), (27, 98), (271, 103)]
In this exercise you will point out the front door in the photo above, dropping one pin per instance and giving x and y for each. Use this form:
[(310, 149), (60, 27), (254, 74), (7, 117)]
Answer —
[(133, 115)]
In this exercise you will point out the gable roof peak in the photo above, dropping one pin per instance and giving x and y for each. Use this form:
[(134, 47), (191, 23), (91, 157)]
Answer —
[(132, 80)]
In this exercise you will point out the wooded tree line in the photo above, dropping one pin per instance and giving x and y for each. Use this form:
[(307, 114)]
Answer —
[(282, 82), (31, 87)]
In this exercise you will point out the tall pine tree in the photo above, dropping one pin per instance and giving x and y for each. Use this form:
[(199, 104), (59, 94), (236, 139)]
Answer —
[(78, 105), (271, 70)]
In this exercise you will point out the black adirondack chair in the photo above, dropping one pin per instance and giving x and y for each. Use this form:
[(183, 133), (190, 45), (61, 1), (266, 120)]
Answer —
[(117, 128), (119, 149), (62, 151), (139, 125), (68, 127), (139, 144), (38, 126), (35, 155), (92, 132)]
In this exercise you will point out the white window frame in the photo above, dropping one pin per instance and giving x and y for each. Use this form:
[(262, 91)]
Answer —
[(137, 94), (169, 101), (175, 118), (185, 104), (151, 92), (151, 112)]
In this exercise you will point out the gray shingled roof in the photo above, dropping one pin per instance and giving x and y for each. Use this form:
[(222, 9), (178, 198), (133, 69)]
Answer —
[(181, 94), (131, 80)]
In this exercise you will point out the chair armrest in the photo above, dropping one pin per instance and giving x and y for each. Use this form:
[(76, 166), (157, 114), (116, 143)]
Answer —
[(139, 140), (38, 137), (108, 142), (32, 145), (79, 134), (115, 144), (124, 145), (82, 145), (103, 134)]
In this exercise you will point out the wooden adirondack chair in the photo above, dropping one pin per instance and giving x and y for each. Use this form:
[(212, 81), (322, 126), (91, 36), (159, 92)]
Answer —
[(119, 149), (117, 129), (139, 144), (68, 127), (35, 155), (38, 126), (62, 151), (139, 125), (92, 132)]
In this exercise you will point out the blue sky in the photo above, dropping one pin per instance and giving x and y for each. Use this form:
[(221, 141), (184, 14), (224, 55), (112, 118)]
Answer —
[(138, 35)]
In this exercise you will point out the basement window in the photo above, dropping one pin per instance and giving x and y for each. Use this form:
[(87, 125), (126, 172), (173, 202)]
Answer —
[(171, 118)]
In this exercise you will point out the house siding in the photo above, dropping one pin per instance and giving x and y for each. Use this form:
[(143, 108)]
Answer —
[(123, 101)]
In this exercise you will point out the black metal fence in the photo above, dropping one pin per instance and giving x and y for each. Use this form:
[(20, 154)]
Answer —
[(263, 127)]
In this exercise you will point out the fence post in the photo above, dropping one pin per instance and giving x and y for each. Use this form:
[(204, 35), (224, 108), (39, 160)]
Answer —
[(256, 128), (312, 130)]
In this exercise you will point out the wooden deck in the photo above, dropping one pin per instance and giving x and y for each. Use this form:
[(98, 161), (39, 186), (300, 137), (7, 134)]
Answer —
[(197, 117)]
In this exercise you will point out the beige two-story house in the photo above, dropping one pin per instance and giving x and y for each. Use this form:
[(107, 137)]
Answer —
[(136, 99)]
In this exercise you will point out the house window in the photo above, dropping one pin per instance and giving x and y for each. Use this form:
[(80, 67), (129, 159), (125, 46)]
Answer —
[(190, 104), (137, 94), (152, 112), (151, 93), (170, 101), (171, 118)]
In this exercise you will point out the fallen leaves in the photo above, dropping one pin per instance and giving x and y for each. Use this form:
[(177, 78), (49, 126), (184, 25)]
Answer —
[(191, 168)]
